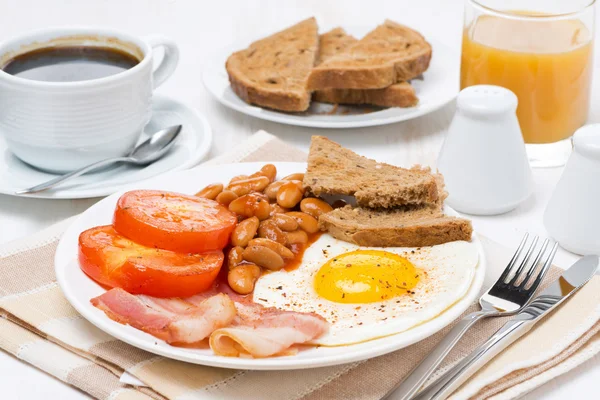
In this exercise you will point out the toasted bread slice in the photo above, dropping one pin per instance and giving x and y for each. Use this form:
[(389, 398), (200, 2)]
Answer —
[(409, 226), (397, 95), (333, 169), (332, 43), (403, 227), (389, 54), (273, 71)]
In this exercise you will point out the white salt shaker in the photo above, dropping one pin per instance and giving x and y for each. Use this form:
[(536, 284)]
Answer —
[(483, 158), (572, 216)]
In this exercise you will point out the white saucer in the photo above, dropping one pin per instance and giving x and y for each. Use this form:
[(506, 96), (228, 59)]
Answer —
[(439, 86), (191, 147)]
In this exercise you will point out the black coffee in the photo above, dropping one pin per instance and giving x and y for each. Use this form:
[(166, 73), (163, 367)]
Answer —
[(70, 64)]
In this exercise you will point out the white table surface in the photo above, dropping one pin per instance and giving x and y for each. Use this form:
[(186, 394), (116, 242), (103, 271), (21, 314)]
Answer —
[(200, 27)]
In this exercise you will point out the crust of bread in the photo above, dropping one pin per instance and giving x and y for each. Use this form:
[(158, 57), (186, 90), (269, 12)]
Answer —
[(291, 102), (272, 72), (389, 54)]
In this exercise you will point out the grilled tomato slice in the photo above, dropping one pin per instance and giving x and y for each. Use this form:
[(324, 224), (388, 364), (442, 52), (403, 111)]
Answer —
[(115, 261), (173, 221)]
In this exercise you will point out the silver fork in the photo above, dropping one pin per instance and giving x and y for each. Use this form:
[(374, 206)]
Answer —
[(509, 295)]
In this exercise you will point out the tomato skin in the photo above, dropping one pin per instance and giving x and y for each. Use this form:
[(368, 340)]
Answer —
[(115, 261), (173, 221)]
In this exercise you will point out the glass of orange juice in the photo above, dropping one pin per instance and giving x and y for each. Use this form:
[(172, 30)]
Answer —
[(542, 51)]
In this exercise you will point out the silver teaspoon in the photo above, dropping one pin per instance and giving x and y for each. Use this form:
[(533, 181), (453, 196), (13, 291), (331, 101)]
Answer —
[(145, 153)]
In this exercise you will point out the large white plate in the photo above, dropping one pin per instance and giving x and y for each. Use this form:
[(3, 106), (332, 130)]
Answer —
[(192, 145), (79, 289), (439, 86)]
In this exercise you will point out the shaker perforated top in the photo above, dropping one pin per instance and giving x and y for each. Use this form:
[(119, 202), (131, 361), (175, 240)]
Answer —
[(486, 100)]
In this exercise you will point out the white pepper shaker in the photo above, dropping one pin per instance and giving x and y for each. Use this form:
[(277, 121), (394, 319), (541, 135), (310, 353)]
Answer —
[(483, 159), (572, 216)]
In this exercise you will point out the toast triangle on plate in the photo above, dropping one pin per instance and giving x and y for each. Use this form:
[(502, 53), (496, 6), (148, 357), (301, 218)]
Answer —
[(273, 72), (394, 228), (408, 226), (388, 54), (335, 170), (400, 94)]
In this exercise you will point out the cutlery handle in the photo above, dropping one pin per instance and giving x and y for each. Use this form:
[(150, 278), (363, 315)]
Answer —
[(418, 376), (60, 179), (457, 375)]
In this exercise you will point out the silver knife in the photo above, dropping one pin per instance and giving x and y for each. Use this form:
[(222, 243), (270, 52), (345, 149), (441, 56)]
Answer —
[(560, 290)]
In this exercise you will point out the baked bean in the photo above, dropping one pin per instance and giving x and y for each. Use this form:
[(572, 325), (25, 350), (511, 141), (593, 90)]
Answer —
[(271, 190), (268, 229), (285, 222), (339, 203), (299, 176), (263, 210), (307, 223), (243, 205), (299, 184), (276, 247), (277, 209), (296, 237), (268, 170), (264, 257), (211, 191), (243, 278), (249, 185), (315, 207), (250, 205), (239, 190), (244, 232), (238, 178), (226, 197), (289, 195), (234, 257), (261, 195)]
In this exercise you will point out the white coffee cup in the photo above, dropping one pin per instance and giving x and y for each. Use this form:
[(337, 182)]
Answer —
[(62, 126), (483, 158)]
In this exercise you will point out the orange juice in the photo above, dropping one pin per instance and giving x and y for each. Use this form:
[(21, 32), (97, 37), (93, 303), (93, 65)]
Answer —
[(546, 63)]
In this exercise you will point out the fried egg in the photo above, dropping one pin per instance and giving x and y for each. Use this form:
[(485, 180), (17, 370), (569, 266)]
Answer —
[(366, 293)]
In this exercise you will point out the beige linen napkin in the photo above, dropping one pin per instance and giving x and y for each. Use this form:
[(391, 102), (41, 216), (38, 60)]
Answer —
[(40, 327)]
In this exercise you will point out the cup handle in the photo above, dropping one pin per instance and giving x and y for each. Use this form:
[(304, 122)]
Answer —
[(169, 62)]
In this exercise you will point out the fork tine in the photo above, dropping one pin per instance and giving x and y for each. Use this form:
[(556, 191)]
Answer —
[(513, 260), (524, 262), (544, 269), (533, 267)]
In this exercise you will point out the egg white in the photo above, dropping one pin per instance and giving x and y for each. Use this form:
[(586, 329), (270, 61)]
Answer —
[(450, 269)]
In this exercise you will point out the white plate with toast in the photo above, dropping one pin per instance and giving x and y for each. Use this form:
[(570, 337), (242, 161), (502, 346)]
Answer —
[(78, 288), (437, 86)]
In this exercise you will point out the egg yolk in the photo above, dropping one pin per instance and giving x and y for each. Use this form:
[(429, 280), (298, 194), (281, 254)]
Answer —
[(365, 276)]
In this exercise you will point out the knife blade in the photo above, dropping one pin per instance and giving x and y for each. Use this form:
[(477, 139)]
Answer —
[(555, 294)]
